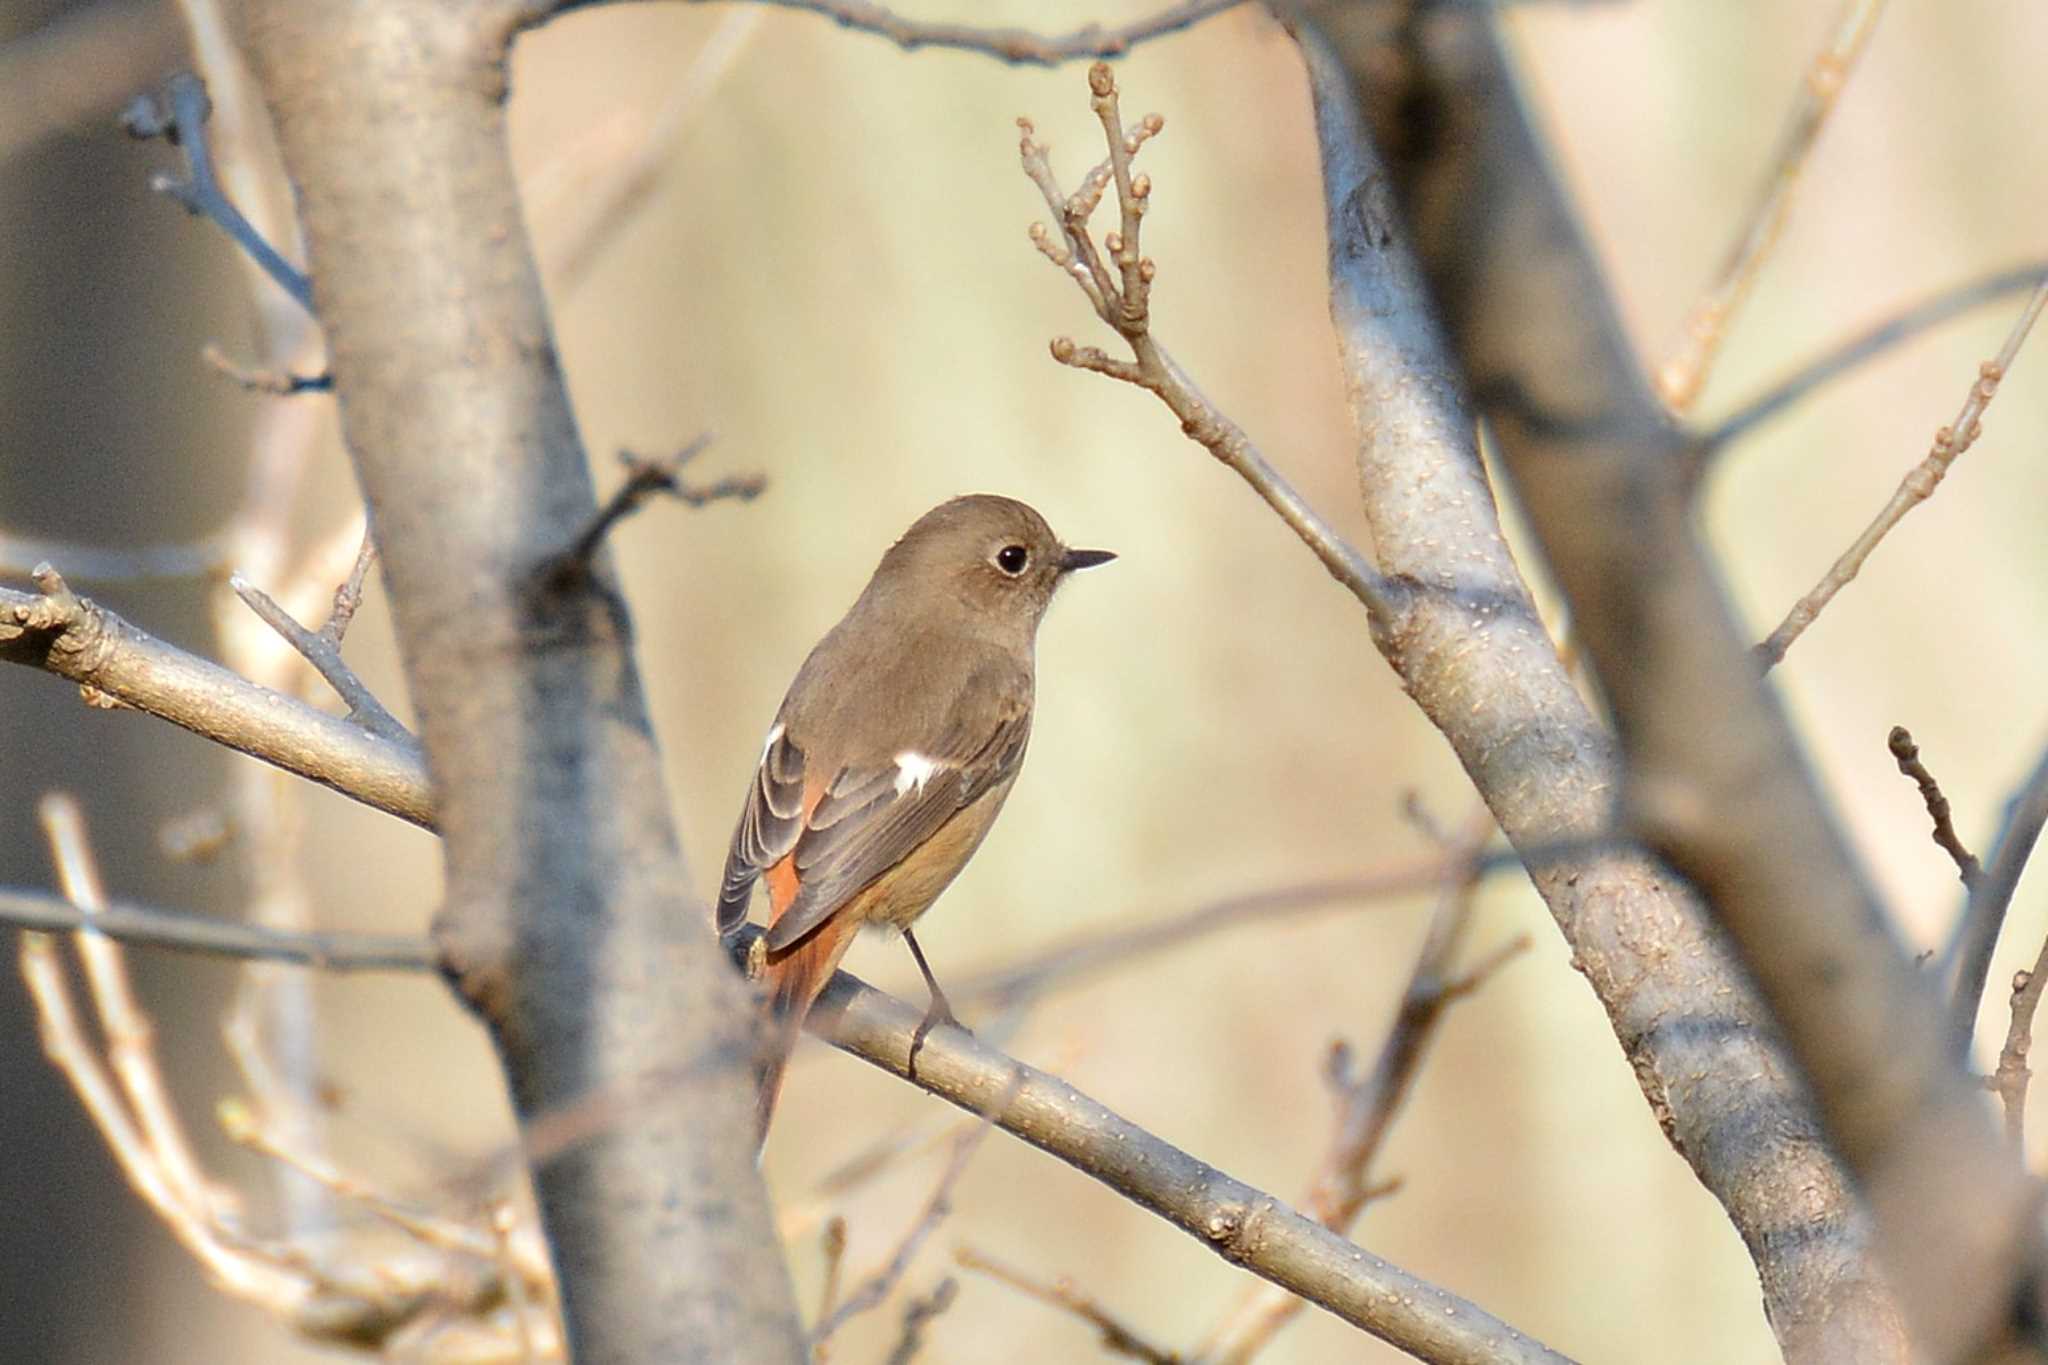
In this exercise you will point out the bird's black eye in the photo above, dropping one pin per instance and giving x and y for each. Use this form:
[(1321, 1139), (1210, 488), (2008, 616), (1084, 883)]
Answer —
[(1011, 559)]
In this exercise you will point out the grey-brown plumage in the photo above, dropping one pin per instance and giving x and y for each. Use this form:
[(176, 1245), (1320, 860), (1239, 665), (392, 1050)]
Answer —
[(894, 749)]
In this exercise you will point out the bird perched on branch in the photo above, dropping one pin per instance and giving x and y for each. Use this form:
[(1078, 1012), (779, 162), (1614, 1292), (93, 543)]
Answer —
[(892, 753)]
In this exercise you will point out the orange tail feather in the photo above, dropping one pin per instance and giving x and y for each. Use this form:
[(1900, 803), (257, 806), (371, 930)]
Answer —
[(794, 979)]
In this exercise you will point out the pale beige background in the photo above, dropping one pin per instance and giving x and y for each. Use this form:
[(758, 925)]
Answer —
[(833, 277)]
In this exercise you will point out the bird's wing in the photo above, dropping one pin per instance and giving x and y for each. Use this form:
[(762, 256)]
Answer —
[(841, 830), (769, 825), (873, 818)]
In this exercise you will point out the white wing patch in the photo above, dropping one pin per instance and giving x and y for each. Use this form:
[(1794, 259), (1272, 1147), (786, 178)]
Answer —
[(913, 770), (769, 742)]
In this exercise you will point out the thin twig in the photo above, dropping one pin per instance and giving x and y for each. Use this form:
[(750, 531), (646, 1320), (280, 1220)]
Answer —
[(1090, 953), (645, 478), (150, 927), (917, 1316), (1865, 346), (2011, 1077), (833, 1243), (1117, 1338), (1918, 485), (1367, 1101), (1117, 280), (1682, 377), (1247, 1227), (876, 1288), (1983, 917), (178, 114), (604, 209), (60, 632), (1018, 46), (1907, 754), (279, 383), (324, 654), (348, 594)]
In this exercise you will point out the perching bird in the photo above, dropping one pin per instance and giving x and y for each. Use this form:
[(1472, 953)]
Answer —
[(893, 751)]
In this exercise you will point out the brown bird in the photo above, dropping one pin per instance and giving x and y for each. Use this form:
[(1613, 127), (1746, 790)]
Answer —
[(892, 752)]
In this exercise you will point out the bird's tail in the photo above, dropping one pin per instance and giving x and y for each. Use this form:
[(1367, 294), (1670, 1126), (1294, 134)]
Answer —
[(794, 978)]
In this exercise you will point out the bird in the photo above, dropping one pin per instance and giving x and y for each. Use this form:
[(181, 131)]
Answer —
[(890, 756)]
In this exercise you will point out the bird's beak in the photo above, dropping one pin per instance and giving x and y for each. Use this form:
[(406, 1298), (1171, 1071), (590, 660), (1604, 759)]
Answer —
[(1084, 559)]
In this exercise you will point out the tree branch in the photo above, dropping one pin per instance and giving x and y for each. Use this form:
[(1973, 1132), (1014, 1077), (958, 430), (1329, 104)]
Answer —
[(1918, 485), (1121, 297), (116, 664), (1680, 379), (147, 927), (568, 922), (1713, 778), (1865, 346), (1017, 46), (1243, 1225)]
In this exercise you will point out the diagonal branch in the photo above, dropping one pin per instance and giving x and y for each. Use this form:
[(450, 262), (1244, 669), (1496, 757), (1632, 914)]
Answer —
[(1714, 781), (116, 664), (1244, 1225), (1241, 1224), (1121, 298), (1918, 485), (1681, 378)]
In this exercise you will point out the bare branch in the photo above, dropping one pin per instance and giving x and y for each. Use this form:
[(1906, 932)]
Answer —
[(1017, 46), (2011, 1077), (1243, 1225), (325, 655), (644, 479), (277, 383), (178, 114), (1984, 916), (602, 209), (1471, 648), (1918, 485), (917, 1315), (1681, 378), (1713, 778), (551, 793), (149, 927), (348, 594), (1117, 1338), (1366, 1103), (1865, 346), (1121, 298), (874, 1290), (1907, 754), (76, 638)]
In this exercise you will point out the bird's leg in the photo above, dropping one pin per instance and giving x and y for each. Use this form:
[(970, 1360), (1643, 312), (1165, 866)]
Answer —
[(940, 1011)]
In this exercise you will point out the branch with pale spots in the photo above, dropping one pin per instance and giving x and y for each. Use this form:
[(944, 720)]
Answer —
[(1116, 278)]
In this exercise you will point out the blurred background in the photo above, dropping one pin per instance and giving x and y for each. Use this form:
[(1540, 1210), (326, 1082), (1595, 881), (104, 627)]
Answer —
[(823, 263)]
